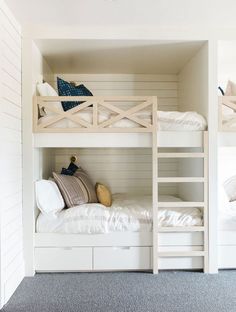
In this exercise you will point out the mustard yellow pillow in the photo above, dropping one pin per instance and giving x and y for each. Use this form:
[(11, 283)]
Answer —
[(103, 195)]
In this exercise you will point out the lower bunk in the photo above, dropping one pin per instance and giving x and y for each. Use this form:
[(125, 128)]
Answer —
[(227, 240), (92, 237)]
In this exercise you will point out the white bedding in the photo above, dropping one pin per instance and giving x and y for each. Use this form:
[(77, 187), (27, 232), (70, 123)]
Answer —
[(167, 121), (229, 120), (127, 213), (227, 216)]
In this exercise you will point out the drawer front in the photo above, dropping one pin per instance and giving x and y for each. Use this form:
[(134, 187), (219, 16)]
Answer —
[(122, 258), (63, 259), (227, 257)]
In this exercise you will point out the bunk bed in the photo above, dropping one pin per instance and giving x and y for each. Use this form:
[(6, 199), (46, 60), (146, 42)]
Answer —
[(137, 125)]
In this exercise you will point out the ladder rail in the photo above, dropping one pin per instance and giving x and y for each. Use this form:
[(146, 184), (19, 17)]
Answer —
[(202, 204), (205, 212)]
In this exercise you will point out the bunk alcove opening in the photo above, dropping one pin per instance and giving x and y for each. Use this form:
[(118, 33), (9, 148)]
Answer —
[(226, 81), (171, 73), (127, 171)]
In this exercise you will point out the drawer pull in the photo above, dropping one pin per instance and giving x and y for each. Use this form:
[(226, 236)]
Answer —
[(67, 248), (122, 248)]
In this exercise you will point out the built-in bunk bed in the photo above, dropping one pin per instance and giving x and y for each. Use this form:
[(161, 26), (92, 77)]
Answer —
[(133, 223), (159, 216), (227, 143)]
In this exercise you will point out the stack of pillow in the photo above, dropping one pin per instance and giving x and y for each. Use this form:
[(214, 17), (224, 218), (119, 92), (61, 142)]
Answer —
[(71, 188), (64, 89), (230, 89)]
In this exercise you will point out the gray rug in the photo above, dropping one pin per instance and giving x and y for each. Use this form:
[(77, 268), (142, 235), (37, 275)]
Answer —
[(113, 292)]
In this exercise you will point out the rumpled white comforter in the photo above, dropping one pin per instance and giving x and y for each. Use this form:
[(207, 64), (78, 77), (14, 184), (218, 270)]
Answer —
[(167, 121), (127, 213)]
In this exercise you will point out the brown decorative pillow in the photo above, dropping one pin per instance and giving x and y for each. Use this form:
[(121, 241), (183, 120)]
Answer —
[(89, 186), (103, 195), (72, 189)]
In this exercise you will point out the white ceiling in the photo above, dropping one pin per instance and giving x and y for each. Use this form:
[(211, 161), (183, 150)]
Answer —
[(162, 13), (117, 56)]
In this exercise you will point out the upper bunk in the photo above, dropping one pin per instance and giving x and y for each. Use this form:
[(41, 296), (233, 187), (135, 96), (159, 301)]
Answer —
[(138, 87), (227, 93)]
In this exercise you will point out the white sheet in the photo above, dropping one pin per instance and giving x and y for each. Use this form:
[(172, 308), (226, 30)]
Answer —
[(167, 121), (127, 213)]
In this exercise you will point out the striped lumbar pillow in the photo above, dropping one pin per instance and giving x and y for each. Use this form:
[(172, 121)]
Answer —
[(72, 189), (85, 179)]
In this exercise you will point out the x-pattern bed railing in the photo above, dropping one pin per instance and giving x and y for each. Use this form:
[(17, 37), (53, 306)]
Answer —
[(111, 103)]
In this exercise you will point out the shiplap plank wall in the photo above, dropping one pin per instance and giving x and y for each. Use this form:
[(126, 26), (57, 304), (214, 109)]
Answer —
[(12, 263), (163, 86), (124, 170)]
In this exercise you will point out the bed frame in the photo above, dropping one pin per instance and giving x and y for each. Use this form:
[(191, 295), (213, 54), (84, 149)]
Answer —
[(125, 251)]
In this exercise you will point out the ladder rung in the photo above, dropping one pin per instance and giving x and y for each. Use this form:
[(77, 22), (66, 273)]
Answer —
[(181, 229), (180, 179), (180, 155), (180, 204), (181, 254)]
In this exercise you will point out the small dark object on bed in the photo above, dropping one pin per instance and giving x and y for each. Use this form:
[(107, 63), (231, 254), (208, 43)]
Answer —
[(67, 172), (70, 170), (221, 90)]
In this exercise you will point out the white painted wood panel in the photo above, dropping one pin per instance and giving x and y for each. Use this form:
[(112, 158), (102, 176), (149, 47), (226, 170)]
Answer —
[(125, 170), (12, 261), (163, 86), (122, 258), (122, 170), (63, 259), (34, 68)]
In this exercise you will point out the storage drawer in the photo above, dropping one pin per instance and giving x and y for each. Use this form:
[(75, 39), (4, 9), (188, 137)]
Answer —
[(63, 259), (122, 258), (227, 257)]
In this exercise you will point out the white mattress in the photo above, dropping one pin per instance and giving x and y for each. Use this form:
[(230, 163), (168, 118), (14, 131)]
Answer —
[(167, 121), (127, 213)]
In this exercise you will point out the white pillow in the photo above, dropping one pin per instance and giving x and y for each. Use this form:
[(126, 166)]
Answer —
[(48, 197), (230, 188), (230, 88), (44, 89)]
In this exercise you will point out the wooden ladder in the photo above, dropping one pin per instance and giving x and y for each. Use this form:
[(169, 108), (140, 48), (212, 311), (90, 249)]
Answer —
[(156, 204)]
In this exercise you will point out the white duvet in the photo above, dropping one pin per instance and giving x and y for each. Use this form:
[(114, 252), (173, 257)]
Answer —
[(167, 121), (127, 213)]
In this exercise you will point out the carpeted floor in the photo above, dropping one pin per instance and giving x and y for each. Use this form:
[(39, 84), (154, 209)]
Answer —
[(126, 292)]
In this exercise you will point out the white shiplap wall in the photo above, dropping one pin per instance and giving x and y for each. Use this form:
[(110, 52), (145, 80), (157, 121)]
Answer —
[(163, 86), (124, 170), (12, 262)]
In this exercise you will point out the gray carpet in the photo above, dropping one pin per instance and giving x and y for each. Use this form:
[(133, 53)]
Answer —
[(113, 292)]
